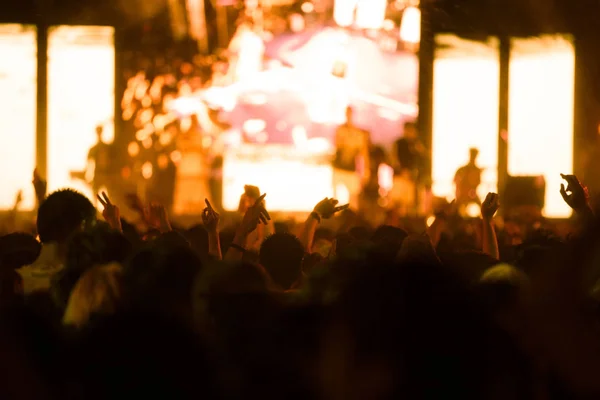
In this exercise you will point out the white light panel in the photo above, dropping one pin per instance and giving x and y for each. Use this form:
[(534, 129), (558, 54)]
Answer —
[(81, 85), (541, 110), (465, 111)]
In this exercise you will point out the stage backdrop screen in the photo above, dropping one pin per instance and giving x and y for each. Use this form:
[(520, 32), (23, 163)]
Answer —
[(465, 111), (81, 85), (541, 110), (18, 76)]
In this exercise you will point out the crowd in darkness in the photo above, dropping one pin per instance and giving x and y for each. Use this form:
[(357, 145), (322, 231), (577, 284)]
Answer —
[(334, 308), (95, 305)]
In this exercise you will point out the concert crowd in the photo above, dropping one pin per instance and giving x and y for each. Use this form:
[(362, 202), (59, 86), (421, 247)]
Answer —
[(331, 308), (110, 298)]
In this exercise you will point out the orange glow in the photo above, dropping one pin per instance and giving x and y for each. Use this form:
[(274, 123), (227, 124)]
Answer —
[(293, 182), (133, 149), (542, 82), (465, 111), (81, 80), (176, 157), (147, 170), (163, 161), (147, 143), (17, 113)]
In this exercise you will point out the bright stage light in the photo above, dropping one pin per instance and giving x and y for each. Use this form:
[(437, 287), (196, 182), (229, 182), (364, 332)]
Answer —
[(370, 14), (410, 30), (293, 183), (365, 14), (344, 11), (541, 109), (81, 95), (465, 111), (18, 76), (308, 7)]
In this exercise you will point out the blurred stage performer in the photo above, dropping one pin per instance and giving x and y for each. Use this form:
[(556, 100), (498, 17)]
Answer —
[(216, 129), (467, 179), (247, 51), (193, 172), (410, 167), (351, 166), (99, 168)]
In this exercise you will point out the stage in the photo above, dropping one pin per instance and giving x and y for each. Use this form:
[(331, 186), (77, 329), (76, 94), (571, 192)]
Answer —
[(283, 119)]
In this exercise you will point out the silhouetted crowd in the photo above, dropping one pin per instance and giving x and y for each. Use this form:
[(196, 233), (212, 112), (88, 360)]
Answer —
[(333, 308)]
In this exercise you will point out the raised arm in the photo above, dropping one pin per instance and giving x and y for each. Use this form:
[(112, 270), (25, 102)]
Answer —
[(159, 218), (111, 212), (326, 209), (40, 186), (489, 207), (577, 197), (255, 215), (210, 218)]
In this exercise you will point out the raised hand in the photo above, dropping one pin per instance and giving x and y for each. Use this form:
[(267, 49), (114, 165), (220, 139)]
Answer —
[(158, 217), (210, 217), (327, 208), (39, 185), (575, 194), (18, 199), (255, 214), (111, 212), (490, 206)]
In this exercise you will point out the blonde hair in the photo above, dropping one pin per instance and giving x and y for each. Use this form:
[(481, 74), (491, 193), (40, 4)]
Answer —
[(98, 291), (504, 273)]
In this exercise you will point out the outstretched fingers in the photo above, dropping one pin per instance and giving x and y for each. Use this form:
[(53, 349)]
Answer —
[(103, 199)]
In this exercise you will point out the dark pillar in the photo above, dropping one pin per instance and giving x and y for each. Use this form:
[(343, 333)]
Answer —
[(503, 133), (587, 102), (120, 84), (42, 100), (426, 58)]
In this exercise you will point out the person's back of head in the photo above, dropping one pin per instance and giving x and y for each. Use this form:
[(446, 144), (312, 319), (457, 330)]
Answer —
[(389, 238), (97, 293), (360, 233), (18, 249), (281, 255), (232, 300), (100, 245), (62, 213), (198, 237), (160, 277)]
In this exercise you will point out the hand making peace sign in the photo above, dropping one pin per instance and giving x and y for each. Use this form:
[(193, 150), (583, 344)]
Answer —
[(111, 212)]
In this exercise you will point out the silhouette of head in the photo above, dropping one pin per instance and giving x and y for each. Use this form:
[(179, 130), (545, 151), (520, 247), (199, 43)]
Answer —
[(349, 114), (62, 214), (281, 255), (473, 153), (410, 130)]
